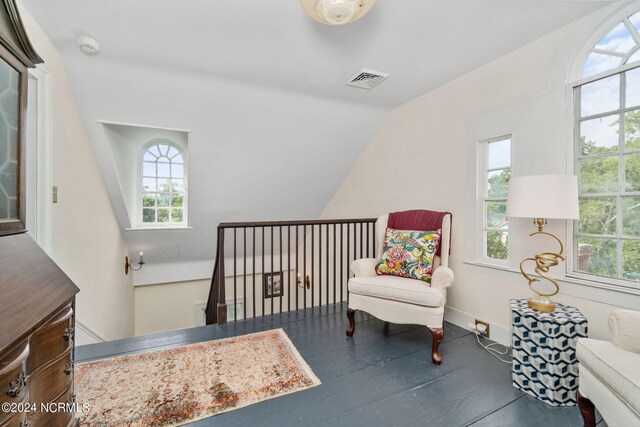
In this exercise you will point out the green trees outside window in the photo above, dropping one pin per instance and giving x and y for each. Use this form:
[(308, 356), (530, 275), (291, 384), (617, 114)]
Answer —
[(496, 225), (608, 232), (163, 185)]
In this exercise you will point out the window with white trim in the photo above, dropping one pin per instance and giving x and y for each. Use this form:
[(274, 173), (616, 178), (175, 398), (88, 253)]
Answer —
[(163, 185), (607, 157), (495, 172), (618, 47)]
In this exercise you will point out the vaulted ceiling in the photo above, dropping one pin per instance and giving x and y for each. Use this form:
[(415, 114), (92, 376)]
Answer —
[(261, 88)]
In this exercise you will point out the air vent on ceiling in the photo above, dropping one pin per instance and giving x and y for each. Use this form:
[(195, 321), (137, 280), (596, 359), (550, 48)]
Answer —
[(367, 79)]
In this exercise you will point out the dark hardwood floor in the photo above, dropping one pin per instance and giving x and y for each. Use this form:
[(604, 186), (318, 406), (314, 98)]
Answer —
[(383, 376)]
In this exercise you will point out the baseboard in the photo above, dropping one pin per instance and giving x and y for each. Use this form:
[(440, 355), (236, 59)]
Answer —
[(499, 333), (85, 335)]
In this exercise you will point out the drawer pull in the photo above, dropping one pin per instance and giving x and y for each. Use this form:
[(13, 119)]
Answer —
[(16, 387), (25, 423), (68, 368), (68, 333)]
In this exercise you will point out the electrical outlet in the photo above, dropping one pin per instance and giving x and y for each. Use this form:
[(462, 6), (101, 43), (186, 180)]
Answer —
[(485, 325)]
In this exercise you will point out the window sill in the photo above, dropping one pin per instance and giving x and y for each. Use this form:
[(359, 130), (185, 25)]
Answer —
[(598, 291), (158, 228), (627, 289), (489, 265)]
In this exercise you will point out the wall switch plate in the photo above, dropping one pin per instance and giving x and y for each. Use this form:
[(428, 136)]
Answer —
[(486, 326), (54, 195)]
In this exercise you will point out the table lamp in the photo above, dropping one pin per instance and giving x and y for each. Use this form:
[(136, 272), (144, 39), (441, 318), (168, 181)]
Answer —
[(543, 197)]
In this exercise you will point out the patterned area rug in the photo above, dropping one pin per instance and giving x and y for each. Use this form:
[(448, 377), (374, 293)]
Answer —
[(180, 385)]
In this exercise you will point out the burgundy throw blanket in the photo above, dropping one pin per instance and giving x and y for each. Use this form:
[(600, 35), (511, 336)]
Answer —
[(418, 220)]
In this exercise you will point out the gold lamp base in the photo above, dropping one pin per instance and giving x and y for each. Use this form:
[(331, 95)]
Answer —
[(543, 262), (536, 304)]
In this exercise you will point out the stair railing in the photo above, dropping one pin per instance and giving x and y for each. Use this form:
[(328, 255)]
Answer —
[(274, 267)]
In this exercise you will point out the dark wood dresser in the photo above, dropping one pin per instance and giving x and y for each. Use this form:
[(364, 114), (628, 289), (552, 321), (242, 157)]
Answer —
[(36, 337)]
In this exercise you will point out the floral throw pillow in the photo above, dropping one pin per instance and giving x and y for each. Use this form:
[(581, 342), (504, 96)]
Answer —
[(409, 253)]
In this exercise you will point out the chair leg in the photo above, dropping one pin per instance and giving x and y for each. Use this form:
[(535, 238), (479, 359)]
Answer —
[(351, 315), (438, 334), (587, 409)]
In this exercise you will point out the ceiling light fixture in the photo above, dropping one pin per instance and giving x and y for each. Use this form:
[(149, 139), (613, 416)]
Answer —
[(336, 12)]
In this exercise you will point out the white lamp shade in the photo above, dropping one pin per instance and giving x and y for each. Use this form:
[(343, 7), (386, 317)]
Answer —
[(543, 196)]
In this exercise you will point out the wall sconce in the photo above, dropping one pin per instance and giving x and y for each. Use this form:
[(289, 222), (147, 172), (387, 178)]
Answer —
[(307, 281), (128, 263)]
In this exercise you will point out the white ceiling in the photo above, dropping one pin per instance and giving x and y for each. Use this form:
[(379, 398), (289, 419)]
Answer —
[(261, 87), (421, 43)]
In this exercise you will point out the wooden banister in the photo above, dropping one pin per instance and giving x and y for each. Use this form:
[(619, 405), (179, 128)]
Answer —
[(332, 245)]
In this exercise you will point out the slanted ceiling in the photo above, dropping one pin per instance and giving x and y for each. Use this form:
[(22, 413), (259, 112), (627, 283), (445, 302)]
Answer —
[(261, 88)]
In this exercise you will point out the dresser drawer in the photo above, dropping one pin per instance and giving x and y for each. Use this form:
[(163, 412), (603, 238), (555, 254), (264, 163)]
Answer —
[(13, 376), (51, 340), (55, 417), (17, 419), (48, 380)]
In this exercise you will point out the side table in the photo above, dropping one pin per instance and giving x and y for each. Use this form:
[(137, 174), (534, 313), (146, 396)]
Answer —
[(544, 351)]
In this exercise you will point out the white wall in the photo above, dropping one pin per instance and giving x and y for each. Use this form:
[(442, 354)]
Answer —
[(126, 142), (87, 242), (424, 156), (257, 153), (169, 306), (274, 129)]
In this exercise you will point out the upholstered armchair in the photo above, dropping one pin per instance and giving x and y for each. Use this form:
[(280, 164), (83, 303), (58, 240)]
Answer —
[(609, 373), (400, 299)]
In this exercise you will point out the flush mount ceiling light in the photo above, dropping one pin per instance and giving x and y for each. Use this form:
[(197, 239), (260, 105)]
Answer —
[(336, 12)]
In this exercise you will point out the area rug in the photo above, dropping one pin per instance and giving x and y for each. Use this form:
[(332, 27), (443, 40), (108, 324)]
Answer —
[(184, 384)]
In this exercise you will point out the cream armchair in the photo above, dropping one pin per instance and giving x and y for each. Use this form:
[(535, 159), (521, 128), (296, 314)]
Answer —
[(609, 373), (399, 299)]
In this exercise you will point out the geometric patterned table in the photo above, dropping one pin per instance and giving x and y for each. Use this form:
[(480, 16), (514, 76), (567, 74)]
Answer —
[(544, 351)]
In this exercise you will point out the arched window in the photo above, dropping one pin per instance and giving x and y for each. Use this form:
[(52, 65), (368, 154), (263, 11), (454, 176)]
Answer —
[(618, 47), (607, 156), (163, 185)]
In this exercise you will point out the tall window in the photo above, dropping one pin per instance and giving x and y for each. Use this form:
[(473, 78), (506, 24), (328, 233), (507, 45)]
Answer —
[(607, 110), (495, 159), (163, 185)]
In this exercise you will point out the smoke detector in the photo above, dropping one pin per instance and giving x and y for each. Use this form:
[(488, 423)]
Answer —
[(367, 79), (88, 45)]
